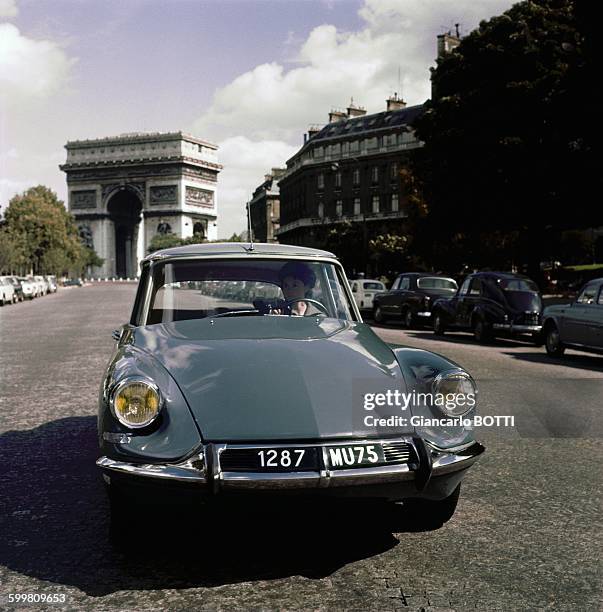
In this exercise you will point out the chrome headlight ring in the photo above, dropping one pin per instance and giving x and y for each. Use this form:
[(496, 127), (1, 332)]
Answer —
[(120, 386), (465, 383)]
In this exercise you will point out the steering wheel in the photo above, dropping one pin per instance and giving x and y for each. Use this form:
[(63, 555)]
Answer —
[(320, 305)]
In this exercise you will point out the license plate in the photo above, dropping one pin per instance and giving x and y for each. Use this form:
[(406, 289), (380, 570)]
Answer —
[(286, 459), (355, 455)]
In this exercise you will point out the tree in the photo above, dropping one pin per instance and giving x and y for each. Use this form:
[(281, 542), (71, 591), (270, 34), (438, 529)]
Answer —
[(44, 233), (506, 143)]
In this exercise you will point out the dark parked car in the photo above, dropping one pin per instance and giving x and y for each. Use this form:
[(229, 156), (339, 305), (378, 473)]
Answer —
[(576, 325), (411, 296), (18, 286), (208, 396), (492, 304)]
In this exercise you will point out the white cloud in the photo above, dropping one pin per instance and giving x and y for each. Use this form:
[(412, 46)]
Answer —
[(245, 164), (273, 103), (30, 69), (8, 9)]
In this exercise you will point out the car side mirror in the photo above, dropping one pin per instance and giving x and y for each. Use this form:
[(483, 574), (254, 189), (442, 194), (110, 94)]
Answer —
[(116, 334)]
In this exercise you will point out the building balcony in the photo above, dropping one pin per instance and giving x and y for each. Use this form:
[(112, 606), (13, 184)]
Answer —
[(361, 218)]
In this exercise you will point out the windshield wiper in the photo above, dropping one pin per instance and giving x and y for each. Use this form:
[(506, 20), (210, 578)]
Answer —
[(235, 313)]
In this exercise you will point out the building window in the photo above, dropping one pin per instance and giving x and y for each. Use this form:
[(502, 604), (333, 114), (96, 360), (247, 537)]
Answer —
[(395, 205), (321, 210), (339, 208), (318, 152), (393, 171), (375, 174), (320, 181), (338, 180), (345, 148), (376, 204), (356, 177), (356, 206), (355, 146), (336, 149), (371, 143)]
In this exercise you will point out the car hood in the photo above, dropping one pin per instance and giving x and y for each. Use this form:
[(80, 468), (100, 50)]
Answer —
[(268, 378)]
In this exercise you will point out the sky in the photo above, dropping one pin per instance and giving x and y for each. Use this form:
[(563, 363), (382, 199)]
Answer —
[(248, 75)]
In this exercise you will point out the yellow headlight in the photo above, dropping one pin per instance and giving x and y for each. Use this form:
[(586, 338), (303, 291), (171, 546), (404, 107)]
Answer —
[(136, 404)]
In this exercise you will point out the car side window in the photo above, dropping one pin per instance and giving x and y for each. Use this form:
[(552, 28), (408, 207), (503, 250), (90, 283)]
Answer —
[(405, 283), (465, 287), (600, 300), (396, 284), (588, 294), (475, 288), (354, 287)]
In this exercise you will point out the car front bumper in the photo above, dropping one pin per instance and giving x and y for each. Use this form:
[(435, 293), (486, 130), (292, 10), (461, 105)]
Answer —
[(517, 329), (424, 478)]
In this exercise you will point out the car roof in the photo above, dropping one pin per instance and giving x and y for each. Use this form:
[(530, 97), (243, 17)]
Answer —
[(425, 275), (508, 275), (211, 249)]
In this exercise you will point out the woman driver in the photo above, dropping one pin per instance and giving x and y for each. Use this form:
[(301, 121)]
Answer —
[(297, 281)]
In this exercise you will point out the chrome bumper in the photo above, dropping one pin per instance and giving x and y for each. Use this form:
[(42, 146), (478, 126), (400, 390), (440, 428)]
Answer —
[(204, 469), (519, 329)]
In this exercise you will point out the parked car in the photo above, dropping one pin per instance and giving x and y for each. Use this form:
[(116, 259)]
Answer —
[(29, 288), (51, 281), (364, 290), (411, 296), (492, 304), (44, 287), (39, 285), (7, 291), (73, 282), (205, 396), (18, 287), (578, 324)]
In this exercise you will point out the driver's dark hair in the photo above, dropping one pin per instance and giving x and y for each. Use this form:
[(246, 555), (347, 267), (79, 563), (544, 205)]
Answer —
[(299, 270)]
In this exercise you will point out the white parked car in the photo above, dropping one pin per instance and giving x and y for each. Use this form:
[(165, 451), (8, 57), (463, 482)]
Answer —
[(364, 290), (7, 291), (29, 288), (52, 283)]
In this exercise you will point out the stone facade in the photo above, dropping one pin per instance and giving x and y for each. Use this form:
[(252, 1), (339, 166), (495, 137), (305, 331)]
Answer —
[(124, 190), (265, 207)]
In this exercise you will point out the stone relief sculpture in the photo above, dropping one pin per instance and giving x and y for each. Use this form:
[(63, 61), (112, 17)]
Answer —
[(164, 228), (85, 234)]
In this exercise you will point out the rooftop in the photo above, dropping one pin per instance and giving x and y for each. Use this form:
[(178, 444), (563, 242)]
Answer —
[(212, 249)]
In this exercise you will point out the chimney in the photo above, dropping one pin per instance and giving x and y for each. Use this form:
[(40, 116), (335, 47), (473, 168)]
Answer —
[(395, 103), (313, 130), (336, 115), (447, 43), (355, 111)]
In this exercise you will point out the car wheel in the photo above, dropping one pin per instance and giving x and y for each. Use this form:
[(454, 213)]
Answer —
[(537, 339), (482, 332), (120, 511), (439, 327), (378, 315), (409, 319), (432, 514), (553, 344)]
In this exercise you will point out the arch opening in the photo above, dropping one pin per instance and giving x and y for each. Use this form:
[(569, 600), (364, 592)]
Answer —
[(124, 210)]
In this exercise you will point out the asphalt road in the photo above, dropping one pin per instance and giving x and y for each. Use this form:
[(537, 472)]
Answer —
[(527, 534)]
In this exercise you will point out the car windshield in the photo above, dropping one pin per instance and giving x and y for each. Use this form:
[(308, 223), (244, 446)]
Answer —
[(433, 282), (518, 284), (196, 289), (373, 286)]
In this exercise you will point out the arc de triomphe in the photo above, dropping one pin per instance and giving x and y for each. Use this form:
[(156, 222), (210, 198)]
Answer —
[(124, 190)]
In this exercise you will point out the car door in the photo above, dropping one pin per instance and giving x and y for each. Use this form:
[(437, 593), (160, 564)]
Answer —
[(390, 301), (592, 327), (468, 302), (576, 320)]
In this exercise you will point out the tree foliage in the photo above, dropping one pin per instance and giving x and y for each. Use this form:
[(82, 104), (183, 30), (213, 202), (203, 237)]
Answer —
[(509, 137), (40, 235)]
